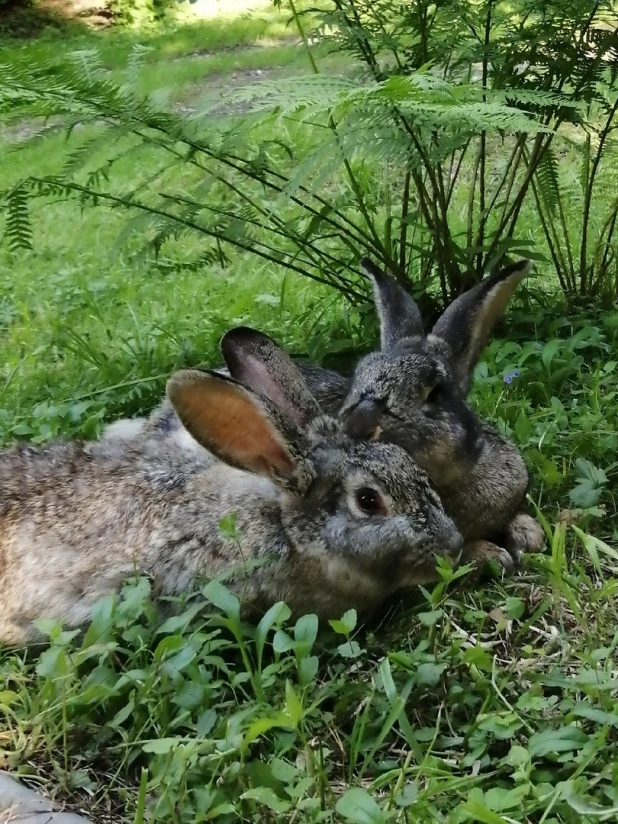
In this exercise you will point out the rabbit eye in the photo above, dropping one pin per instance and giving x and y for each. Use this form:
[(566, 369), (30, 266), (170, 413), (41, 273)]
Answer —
[(369, 501)]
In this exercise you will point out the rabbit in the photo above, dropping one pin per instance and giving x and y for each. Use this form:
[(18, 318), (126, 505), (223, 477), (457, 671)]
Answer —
[(413, 393), (446, 444), (325, 523)]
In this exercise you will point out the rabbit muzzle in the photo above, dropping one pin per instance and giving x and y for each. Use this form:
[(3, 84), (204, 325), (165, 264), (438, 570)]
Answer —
[(361, 422)]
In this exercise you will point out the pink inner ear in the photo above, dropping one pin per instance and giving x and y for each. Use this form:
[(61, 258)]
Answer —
[(255, 374), (228, 421)]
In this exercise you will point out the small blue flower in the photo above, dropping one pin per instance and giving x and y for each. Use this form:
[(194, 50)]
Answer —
[(515, 374), (508, 379)]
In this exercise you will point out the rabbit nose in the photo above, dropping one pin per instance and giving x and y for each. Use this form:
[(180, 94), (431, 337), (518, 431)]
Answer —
[(362, 421)]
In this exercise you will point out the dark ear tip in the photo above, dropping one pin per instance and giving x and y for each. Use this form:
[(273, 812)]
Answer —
[(239, 334), (243, 338), (521, 267), (370, 269)]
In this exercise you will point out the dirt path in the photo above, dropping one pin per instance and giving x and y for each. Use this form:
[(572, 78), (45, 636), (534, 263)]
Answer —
[(214, 89)]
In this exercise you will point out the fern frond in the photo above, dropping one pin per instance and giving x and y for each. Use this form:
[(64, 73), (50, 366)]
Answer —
[(548, 180), (18, 229), (88, 63), (136, 61)]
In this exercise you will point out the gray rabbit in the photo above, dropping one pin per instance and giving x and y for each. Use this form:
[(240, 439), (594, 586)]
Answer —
[(325, 523), (413, 393)]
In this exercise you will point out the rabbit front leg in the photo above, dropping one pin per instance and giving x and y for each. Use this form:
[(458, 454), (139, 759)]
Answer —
[(524, 534), (502, 469), (480, 553), (486, 499)]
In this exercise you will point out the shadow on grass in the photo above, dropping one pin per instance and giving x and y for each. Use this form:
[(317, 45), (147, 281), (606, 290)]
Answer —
[(35, 31)]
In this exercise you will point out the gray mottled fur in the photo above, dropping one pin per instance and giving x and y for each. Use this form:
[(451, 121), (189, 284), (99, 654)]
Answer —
[(79, 518), (480, 475), (413, 393)]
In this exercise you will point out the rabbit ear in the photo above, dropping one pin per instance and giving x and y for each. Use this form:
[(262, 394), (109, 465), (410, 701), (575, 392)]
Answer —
[(467, 323), (256, 361), (238, 426), (399, 315)]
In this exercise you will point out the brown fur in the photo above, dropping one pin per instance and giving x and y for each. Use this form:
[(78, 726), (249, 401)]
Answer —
[(78, 519)]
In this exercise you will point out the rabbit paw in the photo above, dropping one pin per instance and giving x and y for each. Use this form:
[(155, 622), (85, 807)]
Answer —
[(484, 554), (524, 534)]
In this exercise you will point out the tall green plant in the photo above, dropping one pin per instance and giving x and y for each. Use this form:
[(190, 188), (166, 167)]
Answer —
[(553, 60), (310, 199), (424, 156), (578, 206)]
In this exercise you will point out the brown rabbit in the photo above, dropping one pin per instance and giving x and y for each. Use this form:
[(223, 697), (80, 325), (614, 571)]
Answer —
[(337, 523)]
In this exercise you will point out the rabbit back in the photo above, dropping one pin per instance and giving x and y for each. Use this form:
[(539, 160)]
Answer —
[(328, 387), (77, 520)]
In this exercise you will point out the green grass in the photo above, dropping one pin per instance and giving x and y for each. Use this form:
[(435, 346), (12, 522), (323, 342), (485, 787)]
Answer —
[(79, 321), (489, 703)]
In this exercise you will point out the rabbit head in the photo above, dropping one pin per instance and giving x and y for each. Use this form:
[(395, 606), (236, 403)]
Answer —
[(365, 503), (413, 391)]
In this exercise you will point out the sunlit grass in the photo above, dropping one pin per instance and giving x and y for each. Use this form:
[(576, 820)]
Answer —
[(458, 705)]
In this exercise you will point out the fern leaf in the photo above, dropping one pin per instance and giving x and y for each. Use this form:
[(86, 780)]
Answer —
[(18, 229), (548, 179), (136, 60)]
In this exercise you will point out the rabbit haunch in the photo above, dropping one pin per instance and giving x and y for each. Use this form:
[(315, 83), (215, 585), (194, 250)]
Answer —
[(333, 523)]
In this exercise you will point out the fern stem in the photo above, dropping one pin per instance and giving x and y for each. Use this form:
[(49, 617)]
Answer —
[(236, 164), (435, 208), (301, 243), (422, 17), (583, 261), (301, 30), (567, 242), (428, 203), (358, 194), (375, 11), (512, 213), (405, 209), (358, 30), (510, 171), (604, 242), (454, 173), (471, 199), (483, 143), (551, 238), (253, 247)]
